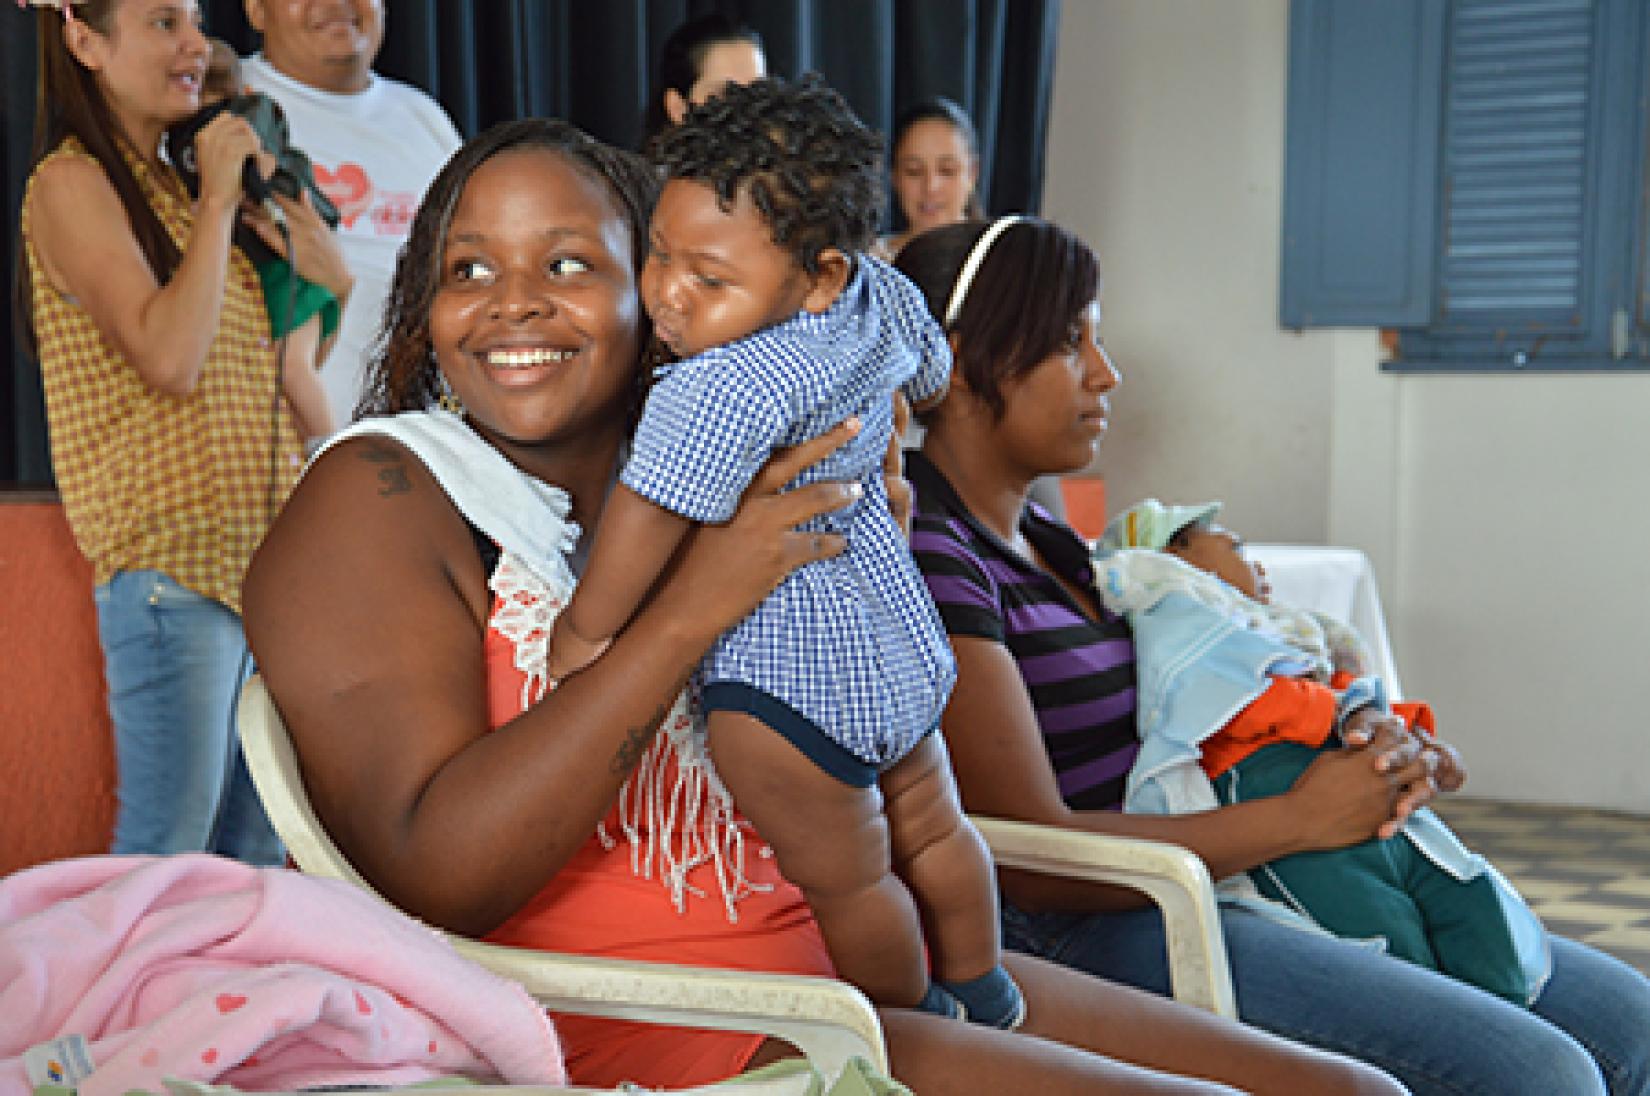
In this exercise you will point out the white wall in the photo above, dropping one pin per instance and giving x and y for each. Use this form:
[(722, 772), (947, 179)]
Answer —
[(1508, 517), (1164, 152)]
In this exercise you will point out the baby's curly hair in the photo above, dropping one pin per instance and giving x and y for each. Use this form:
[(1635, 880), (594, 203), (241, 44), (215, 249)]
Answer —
[(810, 167)]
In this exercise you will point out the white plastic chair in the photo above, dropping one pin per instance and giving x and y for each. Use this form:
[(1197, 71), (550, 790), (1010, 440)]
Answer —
[(1170, 875), (829, 1021)]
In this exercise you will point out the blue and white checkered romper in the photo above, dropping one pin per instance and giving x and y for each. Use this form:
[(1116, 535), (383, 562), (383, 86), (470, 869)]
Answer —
[(853, 643)]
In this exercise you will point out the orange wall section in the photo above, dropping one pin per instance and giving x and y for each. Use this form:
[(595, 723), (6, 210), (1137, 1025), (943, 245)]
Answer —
[(57, 768), (1085, 499)]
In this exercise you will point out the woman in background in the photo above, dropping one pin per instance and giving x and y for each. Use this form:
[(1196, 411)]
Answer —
[(935, 162), (700, 58), (170, 441), (934, 158)]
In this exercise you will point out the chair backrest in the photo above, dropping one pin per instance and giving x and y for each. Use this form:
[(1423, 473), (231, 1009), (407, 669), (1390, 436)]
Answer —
[(275, 773)]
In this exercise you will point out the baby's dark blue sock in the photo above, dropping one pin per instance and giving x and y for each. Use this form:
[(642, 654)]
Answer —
[(991, 999), (940, 1002)]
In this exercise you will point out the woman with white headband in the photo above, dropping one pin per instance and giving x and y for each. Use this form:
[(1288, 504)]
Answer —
[(934, 158), (1041, 724)]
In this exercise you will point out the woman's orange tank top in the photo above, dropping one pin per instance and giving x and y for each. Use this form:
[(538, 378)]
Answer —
[(608, 901)]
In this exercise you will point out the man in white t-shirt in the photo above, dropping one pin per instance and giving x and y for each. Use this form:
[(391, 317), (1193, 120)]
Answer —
[(375, 144)]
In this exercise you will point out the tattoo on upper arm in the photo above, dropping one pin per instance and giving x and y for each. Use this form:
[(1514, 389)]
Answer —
[(392, 471), (629, 753)]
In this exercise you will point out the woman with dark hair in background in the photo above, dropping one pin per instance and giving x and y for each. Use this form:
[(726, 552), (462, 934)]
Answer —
[(934, 158), (1042, 723), (700, 58), (171, 444)]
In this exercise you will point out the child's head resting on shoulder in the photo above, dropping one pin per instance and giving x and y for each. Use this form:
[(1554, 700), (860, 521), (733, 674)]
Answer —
[(771, 190), (1189, 533)]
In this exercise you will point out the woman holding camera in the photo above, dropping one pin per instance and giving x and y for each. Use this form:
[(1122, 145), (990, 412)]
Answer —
[(170, 441)]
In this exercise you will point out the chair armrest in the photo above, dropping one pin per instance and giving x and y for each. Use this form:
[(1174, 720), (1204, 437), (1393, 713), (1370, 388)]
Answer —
[(827, 1020), (1172, 876)]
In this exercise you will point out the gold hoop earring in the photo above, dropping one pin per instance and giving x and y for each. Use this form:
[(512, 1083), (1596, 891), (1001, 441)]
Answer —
[(446, 399)]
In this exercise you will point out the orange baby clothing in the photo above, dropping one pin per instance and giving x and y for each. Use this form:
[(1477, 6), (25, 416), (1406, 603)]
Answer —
[(1292, 709), (1417, 714)]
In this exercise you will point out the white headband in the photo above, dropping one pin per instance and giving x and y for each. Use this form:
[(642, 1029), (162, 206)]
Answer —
[(971, 265)]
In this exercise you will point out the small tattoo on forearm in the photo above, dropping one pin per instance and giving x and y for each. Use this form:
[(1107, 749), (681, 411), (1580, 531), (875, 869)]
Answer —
[(392, 475), (629, 753)]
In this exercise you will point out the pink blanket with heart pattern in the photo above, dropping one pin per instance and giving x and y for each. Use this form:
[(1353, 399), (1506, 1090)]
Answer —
[(203, 968)]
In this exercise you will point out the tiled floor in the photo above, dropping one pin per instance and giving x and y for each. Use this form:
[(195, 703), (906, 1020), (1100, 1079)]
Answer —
[(1586, 873)]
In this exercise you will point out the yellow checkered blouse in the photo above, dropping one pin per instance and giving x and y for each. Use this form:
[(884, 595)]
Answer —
[(185, 485)]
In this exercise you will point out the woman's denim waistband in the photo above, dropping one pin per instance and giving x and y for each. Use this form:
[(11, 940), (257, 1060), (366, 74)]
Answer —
[(1040, 934)]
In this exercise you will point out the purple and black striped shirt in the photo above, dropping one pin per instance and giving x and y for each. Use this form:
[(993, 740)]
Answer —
[(1079, 672)]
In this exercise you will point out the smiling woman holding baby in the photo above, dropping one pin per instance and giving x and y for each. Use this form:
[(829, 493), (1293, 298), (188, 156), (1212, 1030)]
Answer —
[(400, 610)]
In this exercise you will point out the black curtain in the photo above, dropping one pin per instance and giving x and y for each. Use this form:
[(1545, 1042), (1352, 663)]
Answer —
[(589, 61)]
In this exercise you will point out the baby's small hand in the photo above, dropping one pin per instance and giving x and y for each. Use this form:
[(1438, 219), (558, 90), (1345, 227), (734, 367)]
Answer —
[(570, 652)]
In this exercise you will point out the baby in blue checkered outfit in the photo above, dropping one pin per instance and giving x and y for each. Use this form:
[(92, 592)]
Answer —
[(821, 707)]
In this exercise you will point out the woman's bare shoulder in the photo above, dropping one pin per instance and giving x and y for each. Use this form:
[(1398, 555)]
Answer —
[(375, 465), (361, 483), (71, 199), (72, 192), (67, 168), (367, 533)]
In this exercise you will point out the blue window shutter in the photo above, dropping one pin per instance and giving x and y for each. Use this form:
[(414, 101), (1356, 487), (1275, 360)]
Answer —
[(1360, 191), (1542, 178), (1518, 125), (1640, 308)]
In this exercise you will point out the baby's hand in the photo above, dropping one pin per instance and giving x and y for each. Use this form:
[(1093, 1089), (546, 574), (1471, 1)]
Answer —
[(569, 651)]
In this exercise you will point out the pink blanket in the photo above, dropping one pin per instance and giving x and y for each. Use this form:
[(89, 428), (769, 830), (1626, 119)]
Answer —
[(199, 967)]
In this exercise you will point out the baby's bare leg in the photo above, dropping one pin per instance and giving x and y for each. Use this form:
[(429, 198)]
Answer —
[(831, 840), (944, 861)]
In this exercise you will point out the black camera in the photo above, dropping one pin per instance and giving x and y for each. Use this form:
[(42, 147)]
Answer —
[(293, 174)]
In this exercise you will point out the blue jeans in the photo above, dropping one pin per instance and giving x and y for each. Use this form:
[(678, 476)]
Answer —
[(175, 662), (1589, 1031)]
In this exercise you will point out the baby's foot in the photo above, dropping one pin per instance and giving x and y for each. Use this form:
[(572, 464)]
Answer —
[(940, 1002), (991, 999)]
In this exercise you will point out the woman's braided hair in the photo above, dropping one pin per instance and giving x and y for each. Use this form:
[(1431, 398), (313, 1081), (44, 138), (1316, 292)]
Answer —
[(796, 151)]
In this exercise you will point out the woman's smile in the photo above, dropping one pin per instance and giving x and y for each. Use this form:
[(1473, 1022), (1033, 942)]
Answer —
[(188, 78), (522, 358), (522, 362)]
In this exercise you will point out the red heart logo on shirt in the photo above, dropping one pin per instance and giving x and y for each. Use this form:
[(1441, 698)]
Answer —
[(348, 187), (229, 1002)]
